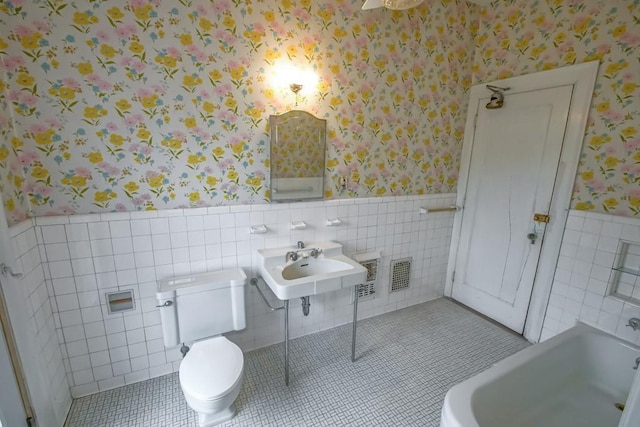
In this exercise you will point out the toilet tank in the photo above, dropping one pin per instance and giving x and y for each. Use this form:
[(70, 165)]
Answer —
[(201, 305)]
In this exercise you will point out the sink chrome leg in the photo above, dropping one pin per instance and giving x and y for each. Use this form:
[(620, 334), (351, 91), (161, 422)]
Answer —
[(286, 342), (356, 288)]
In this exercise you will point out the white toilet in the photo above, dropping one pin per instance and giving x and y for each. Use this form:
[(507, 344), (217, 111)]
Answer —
[(199, 309)]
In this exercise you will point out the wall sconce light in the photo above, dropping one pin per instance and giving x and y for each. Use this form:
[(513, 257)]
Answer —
[(295, 88)]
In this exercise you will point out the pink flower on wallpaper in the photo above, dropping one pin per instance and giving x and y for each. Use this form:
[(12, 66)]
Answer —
[(260, 174), (122, 208), (174, 52), (111, 127), (133, 120), (226, 163), (632, 144), (223, 90), (37, 128), (63, 210), (144, 92), (221, 6), (43, 190), (145, 150), (138, 201), (125, 31), (53, 123), (83, 172), (597, 185), (27, 158), (193, 50), (224, 36), (41, 26), (138, 3), (138, 65), (22, 31), (109, 169), (158, 89), (610, 150), (614, 116), (603, 48), (10, 63), (103, 35), (201, 9), (634, 192), (70, 82), (125, 61), (629, 38), (29, 99), (356, 128), (99, 82), (201, 133), (179, 135)]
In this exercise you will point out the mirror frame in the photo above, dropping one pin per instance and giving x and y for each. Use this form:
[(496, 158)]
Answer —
[(287, 189)]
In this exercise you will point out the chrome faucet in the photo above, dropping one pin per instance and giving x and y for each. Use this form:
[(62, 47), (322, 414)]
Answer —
[(637, 363), (291, 256), (300, 244)]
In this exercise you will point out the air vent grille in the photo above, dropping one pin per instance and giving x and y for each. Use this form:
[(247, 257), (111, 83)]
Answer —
[(367, 290), (400, 274)]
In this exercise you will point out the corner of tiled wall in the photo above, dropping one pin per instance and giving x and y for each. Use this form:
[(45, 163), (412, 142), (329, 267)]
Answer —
[(580, 290), (38, 305)]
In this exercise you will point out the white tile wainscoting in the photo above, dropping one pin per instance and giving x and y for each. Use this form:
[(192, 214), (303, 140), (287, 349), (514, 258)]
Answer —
[(81, 257), (580, 286)]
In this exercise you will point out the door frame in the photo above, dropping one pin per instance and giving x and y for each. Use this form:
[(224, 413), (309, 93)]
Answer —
[(582, 77)]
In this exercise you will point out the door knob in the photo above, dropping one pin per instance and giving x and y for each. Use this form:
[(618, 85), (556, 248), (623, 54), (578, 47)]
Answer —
[(532, 238)]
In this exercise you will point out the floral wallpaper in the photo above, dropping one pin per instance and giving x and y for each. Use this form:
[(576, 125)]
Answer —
[(11, 177), (523, 36), (122, 105)]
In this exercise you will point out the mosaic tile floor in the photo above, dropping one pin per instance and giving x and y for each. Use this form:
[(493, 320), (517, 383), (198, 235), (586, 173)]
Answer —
[(408, 359)]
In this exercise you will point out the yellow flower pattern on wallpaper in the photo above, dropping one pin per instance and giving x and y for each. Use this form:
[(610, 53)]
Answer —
[(142, 104), (522, 36)]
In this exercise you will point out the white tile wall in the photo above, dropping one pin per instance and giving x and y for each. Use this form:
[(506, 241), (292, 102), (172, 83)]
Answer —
[(53, 398), (580, 286), (86, 256)]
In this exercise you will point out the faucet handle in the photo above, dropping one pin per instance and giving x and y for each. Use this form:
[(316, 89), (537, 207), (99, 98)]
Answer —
[(634, 322)]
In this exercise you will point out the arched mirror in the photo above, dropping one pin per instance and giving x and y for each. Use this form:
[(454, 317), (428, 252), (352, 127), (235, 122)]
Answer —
[(298, 142)]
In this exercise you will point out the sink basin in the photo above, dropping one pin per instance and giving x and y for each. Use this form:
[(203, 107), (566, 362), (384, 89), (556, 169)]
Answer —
[(330, 271), (309, 267)]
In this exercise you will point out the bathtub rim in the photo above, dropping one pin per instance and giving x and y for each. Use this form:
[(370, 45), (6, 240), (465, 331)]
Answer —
[(457, 409)]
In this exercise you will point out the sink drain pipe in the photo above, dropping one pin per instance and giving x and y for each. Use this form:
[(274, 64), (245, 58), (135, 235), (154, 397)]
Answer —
[(305, 305)]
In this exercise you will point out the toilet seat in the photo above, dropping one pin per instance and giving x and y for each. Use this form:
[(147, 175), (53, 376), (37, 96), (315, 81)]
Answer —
[(211, 369)]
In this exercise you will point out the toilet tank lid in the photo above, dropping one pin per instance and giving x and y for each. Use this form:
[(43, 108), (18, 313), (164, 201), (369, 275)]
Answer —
[(231, 277)]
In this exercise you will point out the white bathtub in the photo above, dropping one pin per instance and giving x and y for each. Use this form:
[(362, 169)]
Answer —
[(573, 379)]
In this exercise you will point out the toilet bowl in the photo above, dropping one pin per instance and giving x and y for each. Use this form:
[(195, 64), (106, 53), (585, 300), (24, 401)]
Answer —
[(198, 309), (211, 377)]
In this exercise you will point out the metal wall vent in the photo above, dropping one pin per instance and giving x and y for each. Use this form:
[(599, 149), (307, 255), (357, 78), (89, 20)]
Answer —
[(370, 261), (400, 274)]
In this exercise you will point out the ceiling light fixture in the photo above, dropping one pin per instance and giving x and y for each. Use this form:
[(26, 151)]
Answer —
[(391, 4)]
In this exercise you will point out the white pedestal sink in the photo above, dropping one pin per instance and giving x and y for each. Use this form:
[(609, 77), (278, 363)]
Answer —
[(320, 267), (329, 271)]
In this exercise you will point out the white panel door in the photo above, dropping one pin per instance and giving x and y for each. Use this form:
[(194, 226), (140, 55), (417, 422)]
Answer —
[(514, 161)]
